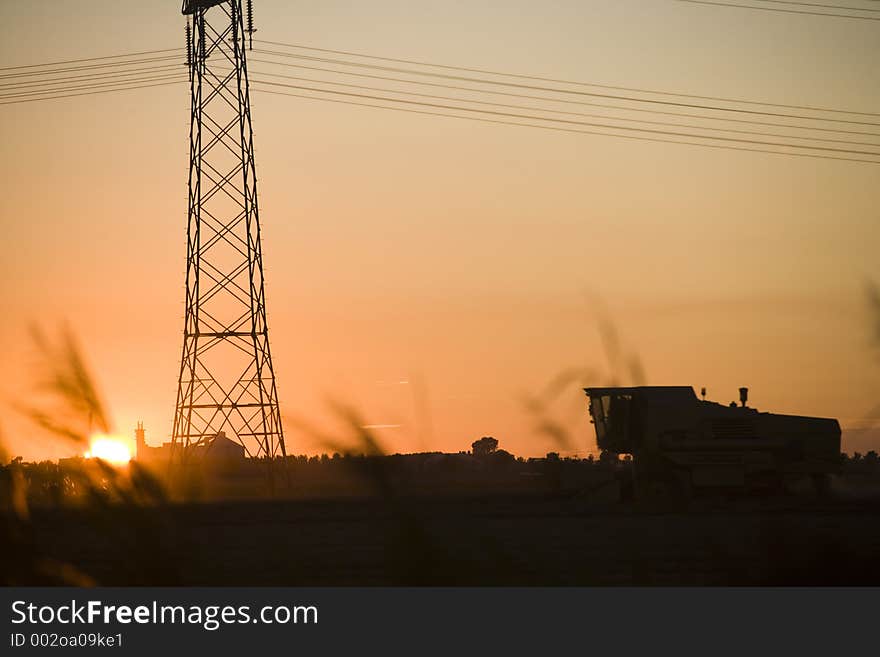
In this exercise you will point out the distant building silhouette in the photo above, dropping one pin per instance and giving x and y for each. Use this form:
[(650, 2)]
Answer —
[(140, 442), (220, 448)]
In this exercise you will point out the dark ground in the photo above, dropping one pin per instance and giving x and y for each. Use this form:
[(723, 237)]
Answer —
[(500, 539)]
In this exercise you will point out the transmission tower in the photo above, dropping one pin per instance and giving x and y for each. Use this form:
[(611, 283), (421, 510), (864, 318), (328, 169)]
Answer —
[(227, 382)]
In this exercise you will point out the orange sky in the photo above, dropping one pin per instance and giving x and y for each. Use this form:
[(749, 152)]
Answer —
[(434, 272)]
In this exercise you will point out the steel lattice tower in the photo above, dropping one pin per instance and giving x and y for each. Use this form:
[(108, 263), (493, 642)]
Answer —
[(227, 382)]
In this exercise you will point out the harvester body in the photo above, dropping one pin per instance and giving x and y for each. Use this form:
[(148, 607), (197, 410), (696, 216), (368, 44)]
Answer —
[(679, 442)]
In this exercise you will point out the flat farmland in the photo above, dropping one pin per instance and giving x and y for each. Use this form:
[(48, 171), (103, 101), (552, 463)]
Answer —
[(506, 539)]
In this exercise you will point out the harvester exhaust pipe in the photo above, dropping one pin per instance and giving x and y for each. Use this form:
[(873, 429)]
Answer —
[(743, 396)]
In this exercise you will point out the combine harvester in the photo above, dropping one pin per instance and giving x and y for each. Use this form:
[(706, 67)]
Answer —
[(681, 445)]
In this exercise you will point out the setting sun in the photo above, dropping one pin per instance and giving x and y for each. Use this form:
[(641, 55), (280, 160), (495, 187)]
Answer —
[(107, 448)]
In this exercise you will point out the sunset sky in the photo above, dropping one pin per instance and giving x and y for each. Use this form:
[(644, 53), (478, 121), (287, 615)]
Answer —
[(434, 272)]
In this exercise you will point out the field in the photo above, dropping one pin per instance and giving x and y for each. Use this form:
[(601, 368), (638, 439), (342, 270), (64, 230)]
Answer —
[(504, 539)]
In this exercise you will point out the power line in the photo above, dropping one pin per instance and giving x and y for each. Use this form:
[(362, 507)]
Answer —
[(122, 79), (779, 10), (90, 59), (571, 130), (469, 118), (92, 93), (813, 4), (556, 111), (95, 76), (90, 67), (571, 122), (561, 81), (633, 109), (96, 85), (567, 101), (567, 91), (125, 77)]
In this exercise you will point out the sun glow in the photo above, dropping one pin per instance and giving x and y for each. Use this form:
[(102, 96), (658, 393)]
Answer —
[(107, 448)]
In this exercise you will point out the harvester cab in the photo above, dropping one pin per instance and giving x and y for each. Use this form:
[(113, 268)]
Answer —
[(614, 415)]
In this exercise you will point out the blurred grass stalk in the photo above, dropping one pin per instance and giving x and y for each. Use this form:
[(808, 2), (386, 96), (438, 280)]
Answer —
[(623, 366), (66, 403)]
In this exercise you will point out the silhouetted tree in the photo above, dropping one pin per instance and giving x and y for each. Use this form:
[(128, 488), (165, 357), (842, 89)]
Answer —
[(484, 446)]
